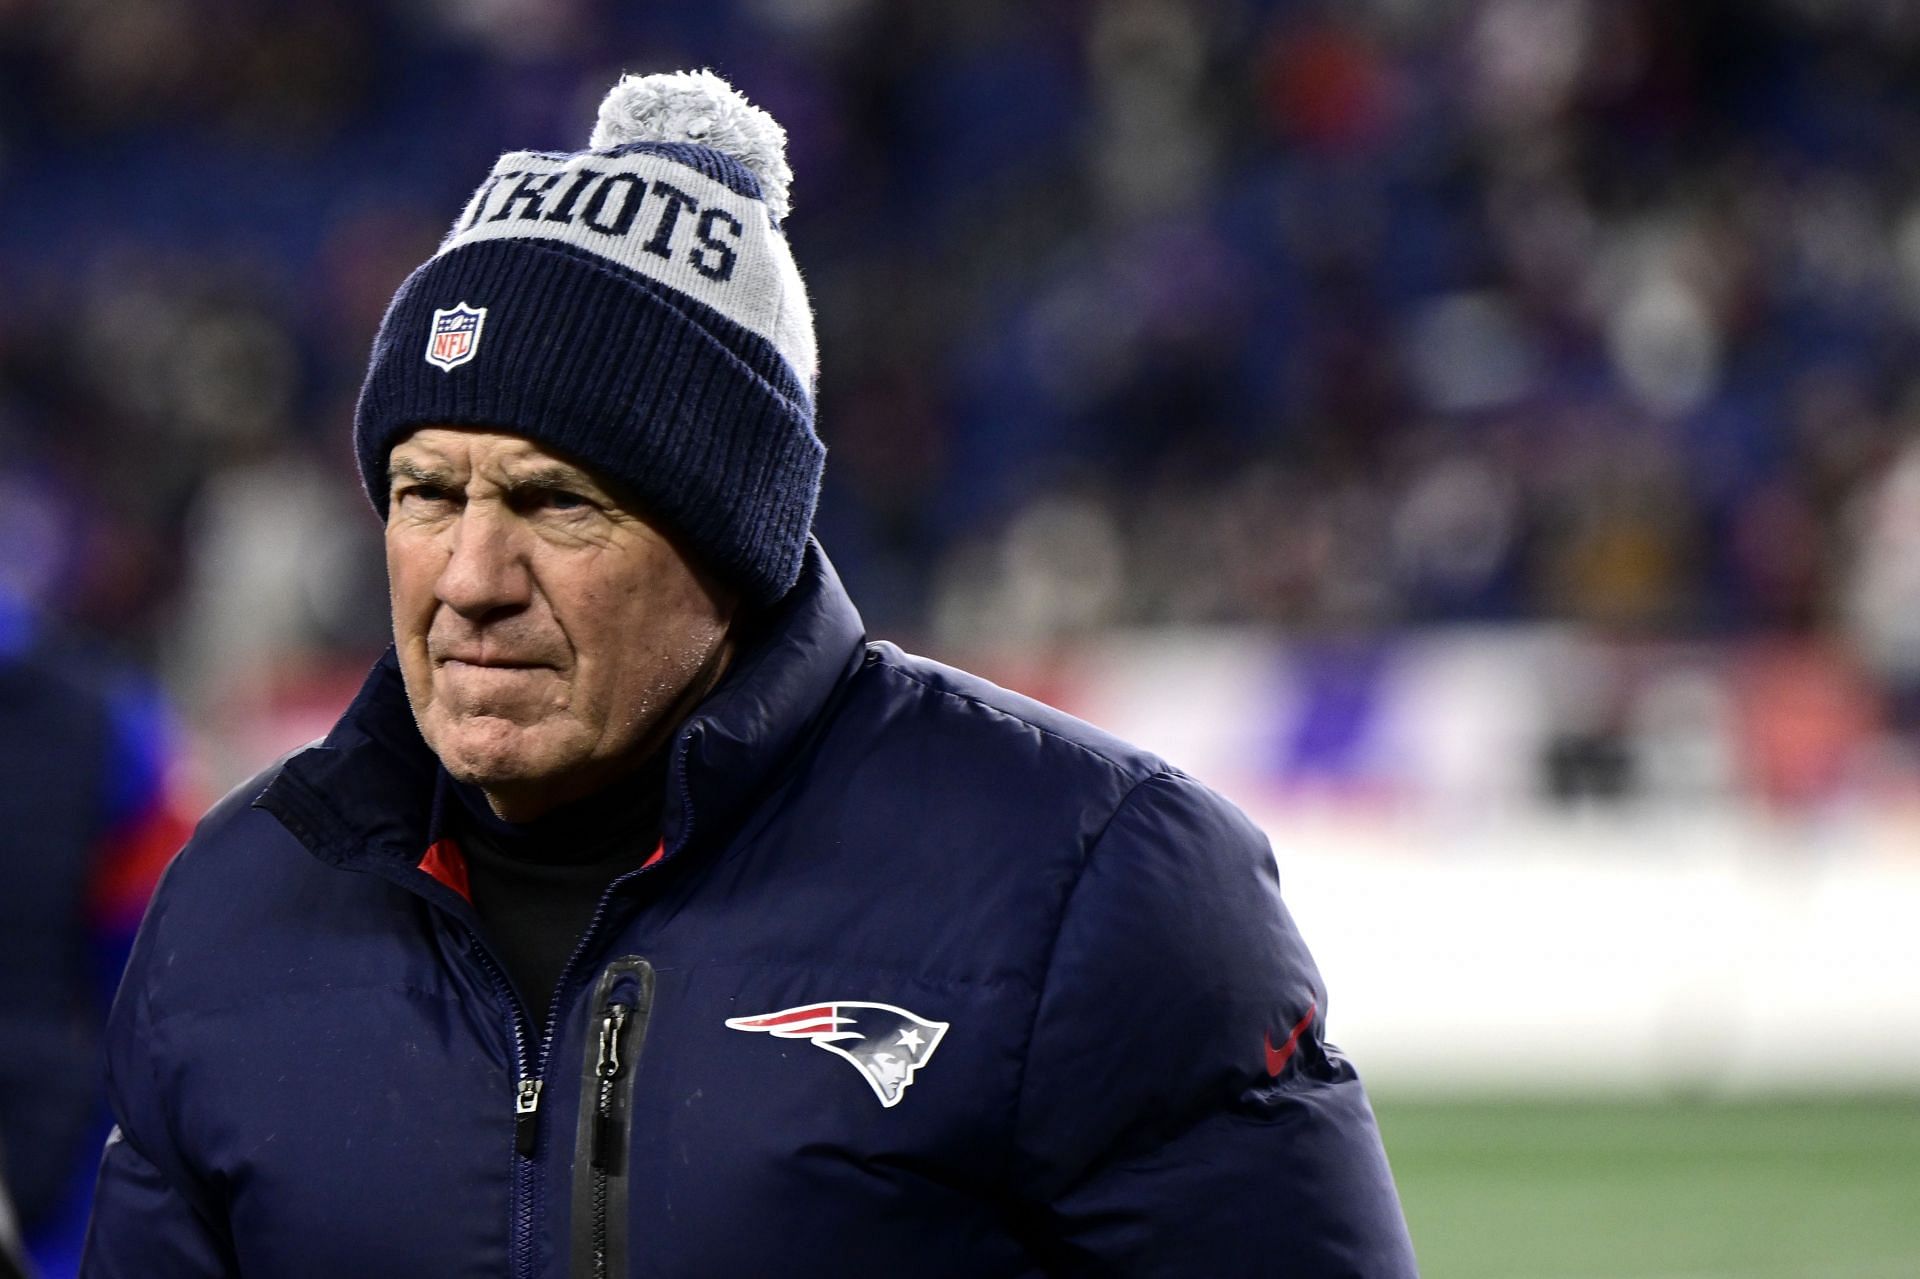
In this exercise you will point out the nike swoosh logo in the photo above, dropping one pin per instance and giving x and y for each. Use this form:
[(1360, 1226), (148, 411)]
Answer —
[(1277, 1058)]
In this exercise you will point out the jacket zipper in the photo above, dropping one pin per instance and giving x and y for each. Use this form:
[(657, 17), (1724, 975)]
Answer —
[(526, 1114), (607, 1067), (526, 1100), (622, 1006), (531, 1081), (526, 1092)]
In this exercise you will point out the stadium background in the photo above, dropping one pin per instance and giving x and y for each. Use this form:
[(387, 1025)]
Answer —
[(1481, 436)]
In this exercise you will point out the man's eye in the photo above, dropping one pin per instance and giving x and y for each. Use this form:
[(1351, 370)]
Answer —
[(558, 500), (416, 494)]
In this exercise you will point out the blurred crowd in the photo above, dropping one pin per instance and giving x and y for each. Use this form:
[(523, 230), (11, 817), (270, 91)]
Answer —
[(1338, 317)]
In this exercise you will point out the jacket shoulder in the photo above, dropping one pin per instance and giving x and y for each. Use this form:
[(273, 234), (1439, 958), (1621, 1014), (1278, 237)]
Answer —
[(239, 905), (226, 845), (1018, 791), (960, 702)]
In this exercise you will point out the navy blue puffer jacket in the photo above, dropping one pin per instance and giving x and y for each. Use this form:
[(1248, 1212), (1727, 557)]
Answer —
[(930, 979)]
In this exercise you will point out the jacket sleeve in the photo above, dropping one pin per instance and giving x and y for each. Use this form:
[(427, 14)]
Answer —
[(1181, 1111), (152, 1218)]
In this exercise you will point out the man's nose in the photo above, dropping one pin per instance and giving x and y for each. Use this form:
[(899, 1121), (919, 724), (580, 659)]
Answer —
[(486, 570)]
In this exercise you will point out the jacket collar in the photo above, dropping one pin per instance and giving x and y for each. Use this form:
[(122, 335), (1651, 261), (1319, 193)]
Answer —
[(363, 797), (740, 738)]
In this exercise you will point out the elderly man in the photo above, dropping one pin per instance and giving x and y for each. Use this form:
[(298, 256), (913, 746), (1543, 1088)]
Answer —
[(640, 916)]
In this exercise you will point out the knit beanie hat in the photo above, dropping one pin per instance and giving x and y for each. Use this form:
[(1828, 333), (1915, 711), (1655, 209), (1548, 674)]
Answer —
[(635, 308)]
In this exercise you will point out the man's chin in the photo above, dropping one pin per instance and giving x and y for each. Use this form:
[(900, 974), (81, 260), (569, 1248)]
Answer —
[(492, 753), (525, 769)]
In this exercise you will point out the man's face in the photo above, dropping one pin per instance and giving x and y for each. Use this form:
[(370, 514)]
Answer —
[(549, 636)]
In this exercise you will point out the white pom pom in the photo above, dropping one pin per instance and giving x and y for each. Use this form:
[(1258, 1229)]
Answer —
[(701, 108)]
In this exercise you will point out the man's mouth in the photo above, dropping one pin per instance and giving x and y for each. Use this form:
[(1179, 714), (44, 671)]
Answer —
[(492, 663)]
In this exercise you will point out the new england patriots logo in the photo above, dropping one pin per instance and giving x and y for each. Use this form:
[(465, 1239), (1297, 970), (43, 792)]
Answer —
[(455, 336), (885, 1044)]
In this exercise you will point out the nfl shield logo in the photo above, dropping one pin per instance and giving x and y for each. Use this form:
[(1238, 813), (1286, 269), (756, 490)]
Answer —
[(455, 336)]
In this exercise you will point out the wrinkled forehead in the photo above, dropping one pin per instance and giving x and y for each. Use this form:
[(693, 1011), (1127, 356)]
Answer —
[(493, 459), (455, 452)]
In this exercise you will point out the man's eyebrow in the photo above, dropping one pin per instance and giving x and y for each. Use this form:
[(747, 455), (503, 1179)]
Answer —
[(419, 472), (552, 477)]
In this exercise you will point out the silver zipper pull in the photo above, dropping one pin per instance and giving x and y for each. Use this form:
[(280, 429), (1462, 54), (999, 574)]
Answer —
[(610, 1027), (526, 1112)]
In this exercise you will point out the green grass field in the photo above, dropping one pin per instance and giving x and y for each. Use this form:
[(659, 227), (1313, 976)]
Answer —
[(1627, 1190)]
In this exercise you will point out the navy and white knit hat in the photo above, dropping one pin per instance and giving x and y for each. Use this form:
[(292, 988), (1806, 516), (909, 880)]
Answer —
[(634, 307)]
